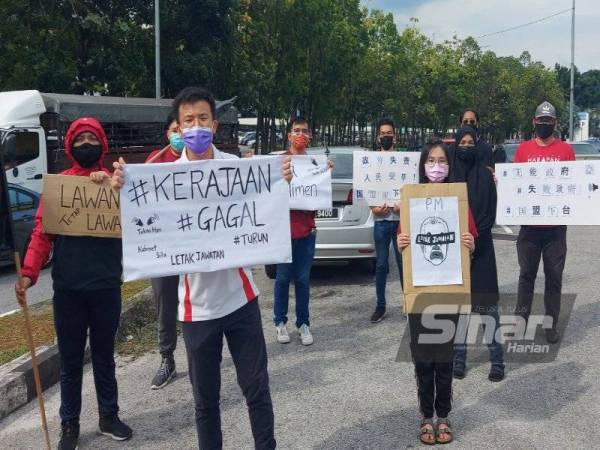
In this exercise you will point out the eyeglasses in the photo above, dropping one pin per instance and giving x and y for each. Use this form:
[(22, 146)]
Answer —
[(431, 163), (469, 122)]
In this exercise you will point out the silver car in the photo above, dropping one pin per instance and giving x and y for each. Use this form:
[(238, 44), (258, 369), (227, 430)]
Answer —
[(344, 233)]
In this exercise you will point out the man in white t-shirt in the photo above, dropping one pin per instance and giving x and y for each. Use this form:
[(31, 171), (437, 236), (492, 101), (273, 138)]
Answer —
[(220, 303)]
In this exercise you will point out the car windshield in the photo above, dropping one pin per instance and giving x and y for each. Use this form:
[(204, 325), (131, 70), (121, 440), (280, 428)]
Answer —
[(343, 165), (584, 149), (342, 162), (510, 150)]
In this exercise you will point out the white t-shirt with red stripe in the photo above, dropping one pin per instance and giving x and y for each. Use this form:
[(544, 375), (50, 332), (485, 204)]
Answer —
[(212, 295)]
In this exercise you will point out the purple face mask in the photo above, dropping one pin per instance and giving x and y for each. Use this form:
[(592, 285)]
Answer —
[(197, 139)]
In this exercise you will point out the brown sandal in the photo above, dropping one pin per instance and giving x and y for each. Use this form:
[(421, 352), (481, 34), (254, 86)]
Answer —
[(427, 435), (444, 429)]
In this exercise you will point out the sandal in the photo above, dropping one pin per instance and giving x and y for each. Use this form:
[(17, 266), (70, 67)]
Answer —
[(427, 435), (443, 427)]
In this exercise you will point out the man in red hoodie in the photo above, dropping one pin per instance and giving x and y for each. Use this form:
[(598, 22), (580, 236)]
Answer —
[(86, 278), (547, 242)]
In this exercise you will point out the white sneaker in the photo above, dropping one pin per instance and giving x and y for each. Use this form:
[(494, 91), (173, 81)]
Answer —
[(282, 333), (305, 335)]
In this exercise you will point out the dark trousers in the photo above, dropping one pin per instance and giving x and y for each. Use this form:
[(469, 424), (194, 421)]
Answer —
[(166, 298), (204, 344), (74, 313), (433, 369), (551, 245)]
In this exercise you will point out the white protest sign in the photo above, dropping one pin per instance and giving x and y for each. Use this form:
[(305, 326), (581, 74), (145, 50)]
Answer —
[(435, 237), (310, 188), (548, 193), (379, 176), (204, 216)]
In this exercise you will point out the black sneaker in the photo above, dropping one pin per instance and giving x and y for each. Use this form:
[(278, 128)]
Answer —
[(458, 371), (164, 374), (551, 335), (378, 315), (113, 427), (69, 435), (496, 374)]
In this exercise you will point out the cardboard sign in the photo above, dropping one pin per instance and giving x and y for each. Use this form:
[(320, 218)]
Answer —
[(203, 216), (434, 215), (379, 176), (310, 188), (76, 206), (548, 193)]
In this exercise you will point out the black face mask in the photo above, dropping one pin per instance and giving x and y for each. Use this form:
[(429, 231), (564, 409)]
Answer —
[(544, 130), (86, 154), (386, 142), (466, 154)]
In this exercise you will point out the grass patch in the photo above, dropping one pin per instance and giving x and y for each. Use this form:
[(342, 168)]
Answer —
[(13, 342)]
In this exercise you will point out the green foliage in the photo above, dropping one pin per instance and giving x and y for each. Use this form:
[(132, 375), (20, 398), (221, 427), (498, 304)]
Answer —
[(339, 64)]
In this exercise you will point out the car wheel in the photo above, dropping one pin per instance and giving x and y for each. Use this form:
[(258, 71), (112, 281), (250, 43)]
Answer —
[(371, 265), (271, 271)]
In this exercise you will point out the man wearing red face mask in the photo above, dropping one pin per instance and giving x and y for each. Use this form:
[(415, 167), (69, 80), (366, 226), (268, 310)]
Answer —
[(303, 251), (86, 277)]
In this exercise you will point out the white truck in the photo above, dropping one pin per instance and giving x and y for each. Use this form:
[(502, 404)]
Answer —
[(134, 126)]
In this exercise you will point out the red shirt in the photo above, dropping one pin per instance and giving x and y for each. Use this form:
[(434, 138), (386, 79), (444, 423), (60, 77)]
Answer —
[(301, 222), (169, 155), (531, 151)]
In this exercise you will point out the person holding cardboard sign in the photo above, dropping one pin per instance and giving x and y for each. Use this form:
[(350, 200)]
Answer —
[(470, 165), (218, 304), (86, 277), (433, 362)]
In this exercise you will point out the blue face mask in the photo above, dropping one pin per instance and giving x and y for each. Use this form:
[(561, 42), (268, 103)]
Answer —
[(176, 142)]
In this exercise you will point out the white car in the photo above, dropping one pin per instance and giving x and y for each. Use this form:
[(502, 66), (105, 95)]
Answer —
[(344, 233)]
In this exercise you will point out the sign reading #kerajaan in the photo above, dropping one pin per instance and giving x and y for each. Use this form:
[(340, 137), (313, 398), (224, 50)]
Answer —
[(204, 216)]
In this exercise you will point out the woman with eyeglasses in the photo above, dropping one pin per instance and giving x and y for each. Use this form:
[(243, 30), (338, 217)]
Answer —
[(468, 166), (434, 362)]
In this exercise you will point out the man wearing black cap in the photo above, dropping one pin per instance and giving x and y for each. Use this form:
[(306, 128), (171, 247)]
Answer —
[(542, 241)]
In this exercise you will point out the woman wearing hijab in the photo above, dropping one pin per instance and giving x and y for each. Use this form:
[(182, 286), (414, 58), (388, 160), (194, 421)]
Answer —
[(469, 166)]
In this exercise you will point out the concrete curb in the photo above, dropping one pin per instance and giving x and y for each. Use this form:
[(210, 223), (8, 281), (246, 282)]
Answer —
[(17, 386)]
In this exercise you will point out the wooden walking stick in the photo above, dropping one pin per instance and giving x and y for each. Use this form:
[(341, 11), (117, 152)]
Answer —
[(36, 372)]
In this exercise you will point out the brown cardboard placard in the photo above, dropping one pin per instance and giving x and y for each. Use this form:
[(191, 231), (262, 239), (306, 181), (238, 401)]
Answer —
[(76, 206), (461, 293)]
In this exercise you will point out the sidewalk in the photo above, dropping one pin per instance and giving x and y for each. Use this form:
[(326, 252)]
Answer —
[(347, 391)]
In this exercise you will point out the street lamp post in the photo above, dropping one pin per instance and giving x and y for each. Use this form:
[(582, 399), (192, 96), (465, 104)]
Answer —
[(572, 90), (157, 46)]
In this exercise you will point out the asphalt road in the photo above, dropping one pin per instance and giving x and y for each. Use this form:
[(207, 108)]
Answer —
[(347, 391), (38, 293)]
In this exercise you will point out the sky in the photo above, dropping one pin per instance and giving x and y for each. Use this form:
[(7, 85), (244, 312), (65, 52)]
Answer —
[(548, 41)]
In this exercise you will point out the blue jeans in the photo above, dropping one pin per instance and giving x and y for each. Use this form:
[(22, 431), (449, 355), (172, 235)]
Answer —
[(385, 232), (303, 252), (495, 348)]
